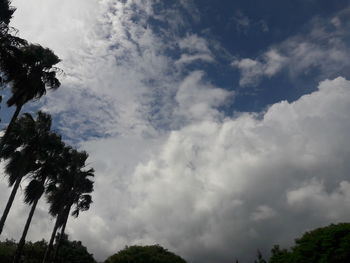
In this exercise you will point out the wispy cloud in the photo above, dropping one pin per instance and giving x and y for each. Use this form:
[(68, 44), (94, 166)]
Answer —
[(120, 75), (323, 48), (242, 21)]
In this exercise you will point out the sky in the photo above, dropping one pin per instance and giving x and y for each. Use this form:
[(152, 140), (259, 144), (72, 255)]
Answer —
[(216, 128)]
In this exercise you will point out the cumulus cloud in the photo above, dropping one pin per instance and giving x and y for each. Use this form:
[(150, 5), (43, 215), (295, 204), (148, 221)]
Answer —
[(222, 188), (322, 48), (198, 100)]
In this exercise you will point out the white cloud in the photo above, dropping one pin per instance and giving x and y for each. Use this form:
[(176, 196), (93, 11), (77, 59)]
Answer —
[(120, 78), (196, 49), (48, 26), (186, 59), (316, 199), (195, 44), (252, 70), (321, 48), (198, 100), (246, 183)]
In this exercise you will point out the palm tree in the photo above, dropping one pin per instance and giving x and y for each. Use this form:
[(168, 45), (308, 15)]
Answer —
[(31, 70), (77, 187), (81, 201), (51, 147), (6, 39), (56, 195), (20, 150)]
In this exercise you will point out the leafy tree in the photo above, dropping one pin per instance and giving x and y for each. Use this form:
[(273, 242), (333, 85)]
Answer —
[(7, 250), (71, 252), (21, 152), (260, 258), (279, 255), (329, 244), (145, 254), (33, 252)]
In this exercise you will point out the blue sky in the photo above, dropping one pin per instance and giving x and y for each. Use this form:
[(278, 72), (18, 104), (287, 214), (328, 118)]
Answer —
[(215, 129)]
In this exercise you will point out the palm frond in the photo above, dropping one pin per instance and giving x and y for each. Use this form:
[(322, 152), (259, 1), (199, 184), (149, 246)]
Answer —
[(33, 191)]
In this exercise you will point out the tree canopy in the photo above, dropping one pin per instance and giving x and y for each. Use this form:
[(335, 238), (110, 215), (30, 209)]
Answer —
[(71, 252), (145, 254), (329, 244)]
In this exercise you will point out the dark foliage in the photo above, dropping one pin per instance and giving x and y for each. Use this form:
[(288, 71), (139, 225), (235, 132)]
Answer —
[(145, 254), (71, 252), (329, 244), (31, 70), (6, 11), (260, 258)]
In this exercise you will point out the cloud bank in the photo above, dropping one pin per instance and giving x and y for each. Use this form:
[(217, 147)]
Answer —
[(220, 189)]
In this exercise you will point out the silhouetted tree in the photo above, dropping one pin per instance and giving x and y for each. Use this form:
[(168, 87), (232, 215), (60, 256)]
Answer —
[(9, 43), (31, 73), (7, 250), (71, 188), (145, 254), (329, 244), (21, 152), (279, 255), (76, 185), (71, 252), (6, 12), (49, 149), (260, 258)]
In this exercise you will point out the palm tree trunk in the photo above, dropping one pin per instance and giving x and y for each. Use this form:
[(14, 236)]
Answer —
[(9, 203), (9, 127), (50, 246), (55, 258), (24, 234)]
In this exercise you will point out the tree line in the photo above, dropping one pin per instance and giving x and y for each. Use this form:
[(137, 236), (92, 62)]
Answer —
[(29, 148), (70, 251), (330, 244)]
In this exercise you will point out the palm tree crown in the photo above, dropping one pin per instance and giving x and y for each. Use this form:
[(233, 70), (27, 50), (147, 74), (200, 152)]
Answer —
[(33, 73), (23, 149)]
